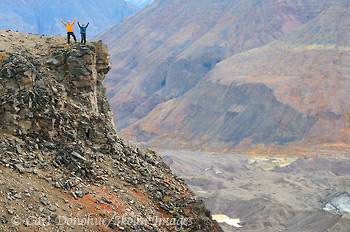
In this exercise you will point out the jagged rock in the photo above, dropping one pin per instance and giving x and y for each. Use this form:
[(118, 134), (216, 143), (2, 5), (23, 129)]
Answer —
[(78, 156), (53, 61), (19, 149), (18, 196), (20, 168), (53, 208)]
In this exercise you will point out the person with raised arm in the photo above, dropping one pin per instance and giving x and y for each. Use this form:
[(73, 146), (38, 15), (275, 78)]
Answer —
[(83, 32), (70, 30)]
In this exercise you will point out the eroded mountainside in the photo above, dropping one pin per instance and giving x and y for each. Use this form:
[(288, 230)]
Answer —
[(232, 74), (166, 49), (294, 90), (61, 161)]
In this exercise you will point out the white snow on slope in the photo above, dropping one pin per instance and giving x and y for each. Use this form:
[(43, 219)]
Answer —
[(221, 218)]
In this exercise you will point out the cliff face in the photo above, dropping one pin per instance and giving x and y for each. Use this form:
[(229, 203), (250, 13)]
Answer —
[(59, 153)]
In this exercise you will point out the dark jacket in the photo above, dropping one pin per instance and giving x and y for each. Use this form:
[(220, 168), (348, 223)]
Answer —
[(83, 29)]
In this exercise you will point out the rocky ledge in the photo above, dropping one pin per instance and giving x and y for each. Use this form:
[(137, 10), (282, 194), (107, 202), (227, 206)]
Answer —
[(62, 165)]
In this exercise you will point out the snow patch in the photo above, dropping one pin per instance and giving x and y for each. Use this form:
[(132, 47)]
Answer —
[(340, 203), (221, 218)]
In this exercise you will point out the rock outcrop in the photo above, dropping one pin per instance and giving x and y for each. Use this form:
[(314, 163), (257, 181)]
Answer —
[(61, 161)]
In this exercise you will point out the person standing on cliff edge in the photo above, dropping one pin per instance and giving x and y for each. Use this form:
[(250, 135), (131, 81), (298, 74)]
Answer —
[(83, 32), (70, 29)]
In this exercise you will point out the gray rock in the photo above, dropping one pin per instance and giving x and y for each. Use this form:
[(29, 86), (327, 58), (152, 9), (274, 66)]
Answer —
[(19, 149), (78, 156), (74, 195), (159, 195), (58, 185), (78, 53), (10, 211), (42, 201), (40, 157), (79, 193), (37, 62), (53, 61), (18, 196), (20, 168), (53, 208)]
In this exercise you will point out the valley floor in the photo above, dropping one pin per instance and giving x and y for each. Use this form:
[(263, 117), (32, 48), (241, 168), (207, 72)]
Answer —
[(267, 193)]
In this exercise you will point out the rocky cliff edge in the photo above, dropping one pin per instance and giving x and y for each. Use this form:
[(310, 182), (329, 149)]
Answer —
[(62, 165)]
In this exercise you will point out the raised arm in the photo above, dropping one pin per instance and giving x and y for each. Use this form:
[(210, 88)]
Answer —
[(79, 25), (63, 22), (74, 20), (87, 25)]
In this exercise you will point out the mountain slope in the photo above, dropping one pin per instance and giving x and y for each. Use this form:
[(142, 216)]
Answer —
[(140, 3), (60, 157), (17, 15), (162, 52), (291, 90), (43, 17)]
